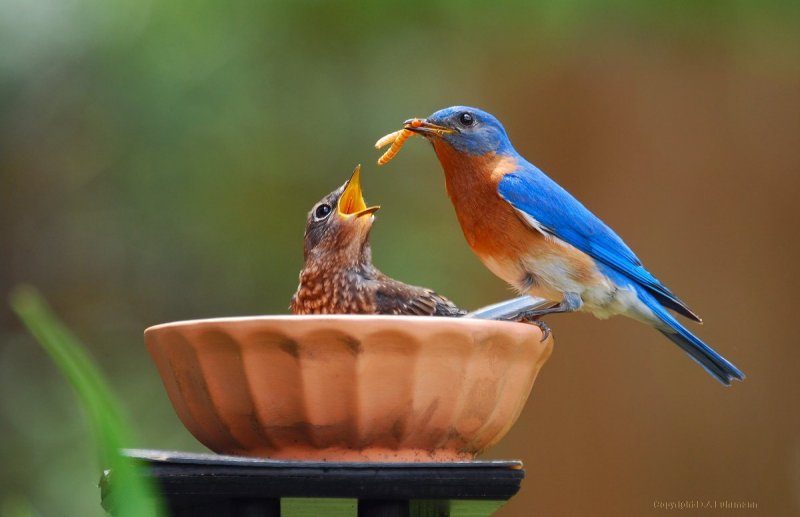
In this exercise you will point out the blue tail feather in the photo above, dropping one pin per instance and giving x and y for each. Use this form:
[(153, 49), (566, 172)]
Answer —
[(722, 369)]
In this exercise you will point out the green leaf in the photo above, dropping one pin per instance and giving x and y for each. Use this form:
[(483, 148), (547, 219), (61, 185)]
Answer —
[(133, 494)]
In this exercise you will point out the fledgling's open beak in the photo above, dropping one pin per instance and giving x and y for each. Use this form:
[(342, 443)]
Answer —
[(351, 202), (427, 129)]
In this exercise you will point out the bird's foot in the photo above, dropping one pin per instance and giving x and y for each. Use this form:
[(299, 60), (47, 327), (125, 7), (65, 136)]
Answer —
[(571, 303), (542, 326)]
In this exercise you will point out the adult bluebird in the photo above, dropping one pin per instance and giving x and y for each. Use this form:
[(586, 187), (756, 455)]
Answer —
[(536, 236)]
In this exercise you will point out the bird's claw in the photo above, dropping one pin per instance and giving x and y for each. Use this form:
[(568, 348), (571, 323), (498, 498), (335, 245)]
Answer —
[(542, 326)]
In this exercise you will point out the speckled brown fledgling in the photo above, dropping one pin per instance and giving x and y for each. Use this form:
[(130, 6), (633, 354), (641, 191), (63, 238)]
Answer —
[(338, 276)]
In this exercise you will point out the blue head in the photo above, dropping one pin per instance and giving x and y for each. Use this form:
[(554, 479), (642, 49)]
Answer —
[(468, 130)]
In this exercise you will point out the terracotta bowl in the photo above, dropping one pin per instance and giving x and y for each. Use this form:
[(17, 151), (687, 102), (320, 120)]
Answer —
[(348, 388)]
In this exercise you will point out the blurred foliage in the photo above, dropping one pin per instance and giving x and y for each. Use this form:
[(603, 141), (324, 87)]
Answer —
[(15, 506), (157, 160), (133, 494)]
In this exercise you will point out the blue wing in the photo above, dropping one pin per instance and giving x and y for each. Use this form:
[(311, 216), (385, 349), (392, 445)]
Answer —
[(549, 208)]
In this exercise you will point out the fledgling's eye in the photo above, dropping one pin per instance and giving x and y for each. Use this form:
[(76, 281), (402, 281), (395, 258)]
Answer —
[(322, 212), (466, 119)]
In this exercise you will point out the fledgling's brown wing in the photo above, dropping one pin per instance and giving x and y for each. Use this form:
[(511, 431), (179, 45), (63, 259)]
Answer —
[(392, 297)]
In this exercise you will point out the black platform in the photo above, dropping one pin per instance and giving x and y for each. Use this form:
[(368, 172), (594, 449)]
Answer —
[(225, 486)]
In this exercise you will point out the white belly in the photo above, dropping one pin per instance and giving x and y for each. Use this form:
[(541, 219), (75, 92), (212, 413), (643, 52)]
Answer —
[(551, 276)]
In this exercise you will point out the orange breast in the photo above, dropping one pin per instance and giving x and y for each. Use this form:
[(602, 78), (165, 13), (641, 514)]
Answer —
[(491, 225)]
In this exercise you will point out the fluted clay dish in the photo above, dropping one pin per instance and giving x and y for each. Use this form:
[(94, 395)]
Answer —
[(348, 388)]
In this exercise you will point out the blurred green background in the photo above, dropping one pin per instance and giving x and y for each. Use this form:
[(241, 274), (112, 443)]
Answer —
[(157, 160)]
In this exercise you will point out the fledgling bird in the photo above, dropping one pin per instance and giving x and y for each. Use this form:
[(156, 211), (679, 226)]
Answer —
[(338, 276), (536, 236)]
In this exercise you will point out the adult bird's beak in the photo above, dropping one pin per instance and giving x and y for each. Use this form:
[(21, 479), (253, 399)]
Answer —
[(351, 202), (427, 129)]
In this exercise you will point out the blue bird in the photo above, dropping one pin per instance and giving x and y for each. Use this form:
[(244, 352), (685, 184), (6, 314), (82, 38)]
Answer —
[(536, 236)]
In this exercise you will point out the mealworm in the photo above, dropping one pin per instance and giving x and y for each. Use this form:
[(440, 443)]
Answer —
[(400, 139), (388, 139), (397, 139)]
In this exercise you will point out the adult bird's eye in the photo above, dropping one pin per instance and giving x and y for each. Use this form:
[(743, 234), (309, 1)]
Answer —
[(466, 119), (322, 211)]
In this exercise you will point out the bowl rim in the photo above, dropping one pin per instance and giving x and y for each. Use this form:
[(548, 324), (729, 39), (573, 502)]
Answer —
[(424, 320)]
